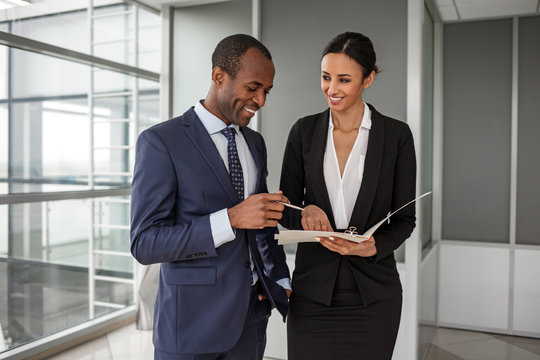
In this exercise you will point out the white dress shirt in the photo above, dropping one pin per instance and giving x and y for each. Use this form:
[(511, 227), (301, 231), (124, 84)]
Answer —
[(220, 225), (343, 190), (222, 231)]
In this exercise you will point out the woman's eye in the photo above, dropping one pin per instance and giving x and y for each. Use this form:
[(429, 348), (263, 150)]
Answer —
[(325, 77), (345, 80)]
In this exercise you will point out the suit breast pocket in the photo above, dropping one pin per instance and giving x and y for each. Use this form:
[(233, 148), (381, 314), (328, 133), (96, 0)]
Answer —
[(190, 275)]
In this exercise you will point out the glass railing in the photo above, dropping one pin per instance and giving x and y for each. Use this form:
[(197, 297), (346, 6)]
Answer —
[(62, 262)]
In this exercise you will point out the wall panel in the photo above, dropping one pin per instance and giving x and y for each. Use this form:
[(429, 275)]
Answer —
[(476, 135), (197, 31), (528, 177)]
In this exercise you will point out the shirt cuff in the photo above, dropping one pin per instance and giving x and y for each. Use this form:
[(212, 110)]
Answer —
[(285, 283), (220, 225)]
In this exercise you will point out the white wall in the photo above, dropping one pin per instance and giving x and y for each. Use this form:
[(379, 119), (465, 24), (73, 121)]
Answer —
[(197, 31)]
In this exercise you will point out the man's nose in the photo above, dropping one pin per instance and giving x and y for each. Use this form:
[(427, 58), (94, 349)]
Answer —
[(259, 99)]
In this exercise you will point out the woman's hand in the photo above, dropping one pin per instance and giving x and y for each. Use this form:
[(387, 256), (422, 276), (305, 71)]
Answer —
[(345, 247), (313, 218)]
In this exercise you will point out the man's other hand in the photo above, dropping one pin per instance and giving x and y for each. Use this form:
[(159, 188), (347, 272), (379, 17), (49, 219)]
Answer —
[(257, 211)]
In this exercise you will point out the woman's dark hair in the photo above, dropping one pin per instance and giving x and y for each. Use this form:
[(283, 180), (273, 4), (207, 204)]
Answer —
[(356, 46)]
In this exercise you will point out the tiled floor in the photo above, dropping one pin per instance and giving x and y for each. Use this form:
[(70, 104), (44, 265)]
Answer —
[(125, 343), (129, 344), (449, 344)]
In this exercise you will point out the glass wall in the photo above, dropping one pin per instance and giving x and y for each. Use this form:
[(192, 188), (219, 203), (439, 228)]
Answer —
[(67, 138), (119, 31)]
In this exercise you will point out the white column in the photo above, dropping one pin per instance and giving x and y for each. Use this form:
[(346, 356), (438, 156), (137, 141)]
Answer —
[(415, 18)]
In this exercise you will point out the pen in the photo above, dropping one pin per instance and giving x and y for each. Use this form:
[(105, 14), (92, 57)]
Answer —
[(290, 205)]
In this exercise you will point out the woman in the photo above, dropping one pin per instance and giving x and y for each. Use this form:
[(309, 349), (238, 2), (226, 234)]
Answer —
[(349, 166)]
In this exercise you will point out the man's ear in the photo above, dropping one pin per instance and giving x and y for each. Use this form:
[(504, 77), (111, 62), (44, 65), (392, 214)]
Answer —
[(218, 76)]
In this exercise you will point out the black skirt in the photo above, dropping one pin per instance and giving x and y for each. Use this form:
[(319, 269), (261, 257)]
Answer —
[(348, 329)]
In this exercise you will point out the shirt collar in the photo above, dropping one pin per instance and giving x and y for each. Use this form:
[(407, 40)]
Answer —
[(211, 122), (366, 119)]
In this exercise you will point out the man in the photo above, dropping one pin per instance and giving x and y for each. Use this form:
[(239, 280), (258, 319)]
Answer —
[(200, 207)]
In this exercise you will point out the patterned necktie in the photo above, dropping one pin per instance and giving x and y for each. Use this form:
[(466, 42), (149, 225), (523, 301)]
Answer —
[(235, 168)]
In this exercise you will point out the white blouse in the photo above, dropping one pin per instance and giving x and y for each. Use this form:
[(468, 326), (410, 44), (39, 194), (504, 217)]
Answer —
[(343, 191)]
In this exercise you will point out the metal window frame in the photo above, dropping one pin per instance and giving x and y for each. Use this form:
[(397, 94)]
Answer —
[(23, 43)]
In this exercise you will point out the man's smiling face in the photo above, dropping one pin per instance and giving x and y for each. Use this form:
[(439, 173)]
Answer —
[(239, 98)]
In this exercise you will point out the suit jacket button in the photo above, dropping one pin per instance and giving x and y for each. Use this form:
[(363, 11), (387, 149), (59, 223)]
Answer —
[(248, 264)]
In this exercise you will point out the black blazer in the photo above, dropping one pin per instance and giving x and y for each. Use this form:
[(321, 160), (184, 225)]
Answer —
[(388, 183)]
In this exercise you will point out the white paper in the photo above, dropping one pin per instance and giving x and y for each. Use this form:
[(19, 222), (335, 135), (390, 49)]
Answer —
[(297, 236)]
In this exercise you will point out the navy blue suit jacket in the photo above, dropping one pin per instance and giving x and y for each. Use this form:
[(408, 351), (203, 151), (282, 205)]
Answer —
[(179, 180)]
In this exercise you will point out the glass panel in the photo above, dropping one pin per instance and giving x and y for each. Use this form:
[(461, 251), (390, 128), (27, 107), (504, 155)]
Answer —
[(4, 142), (113, 23), (3, 71), (50, 144), (111, 160), (110, 292), (4, 224), (113, 34), (66, 238), (36, 75), (44, 280), (64, 30), (66, 141), (148, 110), (118, 51), (109, 81), (149, 48)]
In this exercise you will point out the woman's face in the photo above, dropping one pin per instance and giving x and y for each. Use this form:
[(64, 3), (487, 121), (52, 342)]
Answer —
[(342, 81)]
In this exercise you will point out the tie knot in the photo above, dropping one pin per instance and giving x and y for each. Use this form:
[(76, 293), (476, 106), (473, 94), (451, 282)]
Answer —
[(229, 132)]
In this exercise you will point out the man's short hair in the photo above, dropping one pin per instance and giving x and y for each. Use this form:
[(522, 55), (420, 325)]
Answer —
[(227, 54)]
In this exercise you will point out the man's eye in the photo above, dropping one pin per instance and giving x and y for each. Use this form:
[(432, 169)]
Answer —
[(251, 89)]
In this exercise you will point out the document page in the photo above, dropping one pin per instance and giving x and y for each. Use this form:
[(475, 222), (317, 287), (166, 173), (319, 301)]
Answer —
[(297, 236)]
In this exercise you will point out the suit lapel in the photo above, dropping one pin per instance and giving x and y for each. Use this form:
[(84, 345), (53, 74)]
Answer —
[(372, 169), (202, 141), (318, 147), (251, 141)]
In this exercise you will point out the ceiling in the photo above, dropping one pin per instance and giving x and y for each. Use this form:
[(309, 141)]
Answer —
[(449, 10), (460, 10)]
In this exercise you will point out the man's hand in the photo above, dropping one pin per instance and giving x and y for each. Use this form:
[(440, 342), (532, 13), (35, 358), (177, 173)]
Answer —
[(261, 297), (257, 211)]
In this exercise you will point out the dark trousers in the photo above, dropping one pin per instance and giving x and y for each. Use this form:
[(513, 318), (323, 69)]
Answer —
[(251, 344), (345, 331)]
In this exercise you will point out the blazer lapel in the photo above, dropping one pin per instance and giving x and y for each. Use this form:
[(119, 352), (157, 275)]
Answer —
[(200, 138), (251, 141), (318, 147), (372, 169)]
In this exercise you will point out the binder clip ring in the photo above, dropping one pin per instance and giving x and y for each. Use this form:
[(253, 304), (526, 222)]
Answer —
[(351, 231)]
